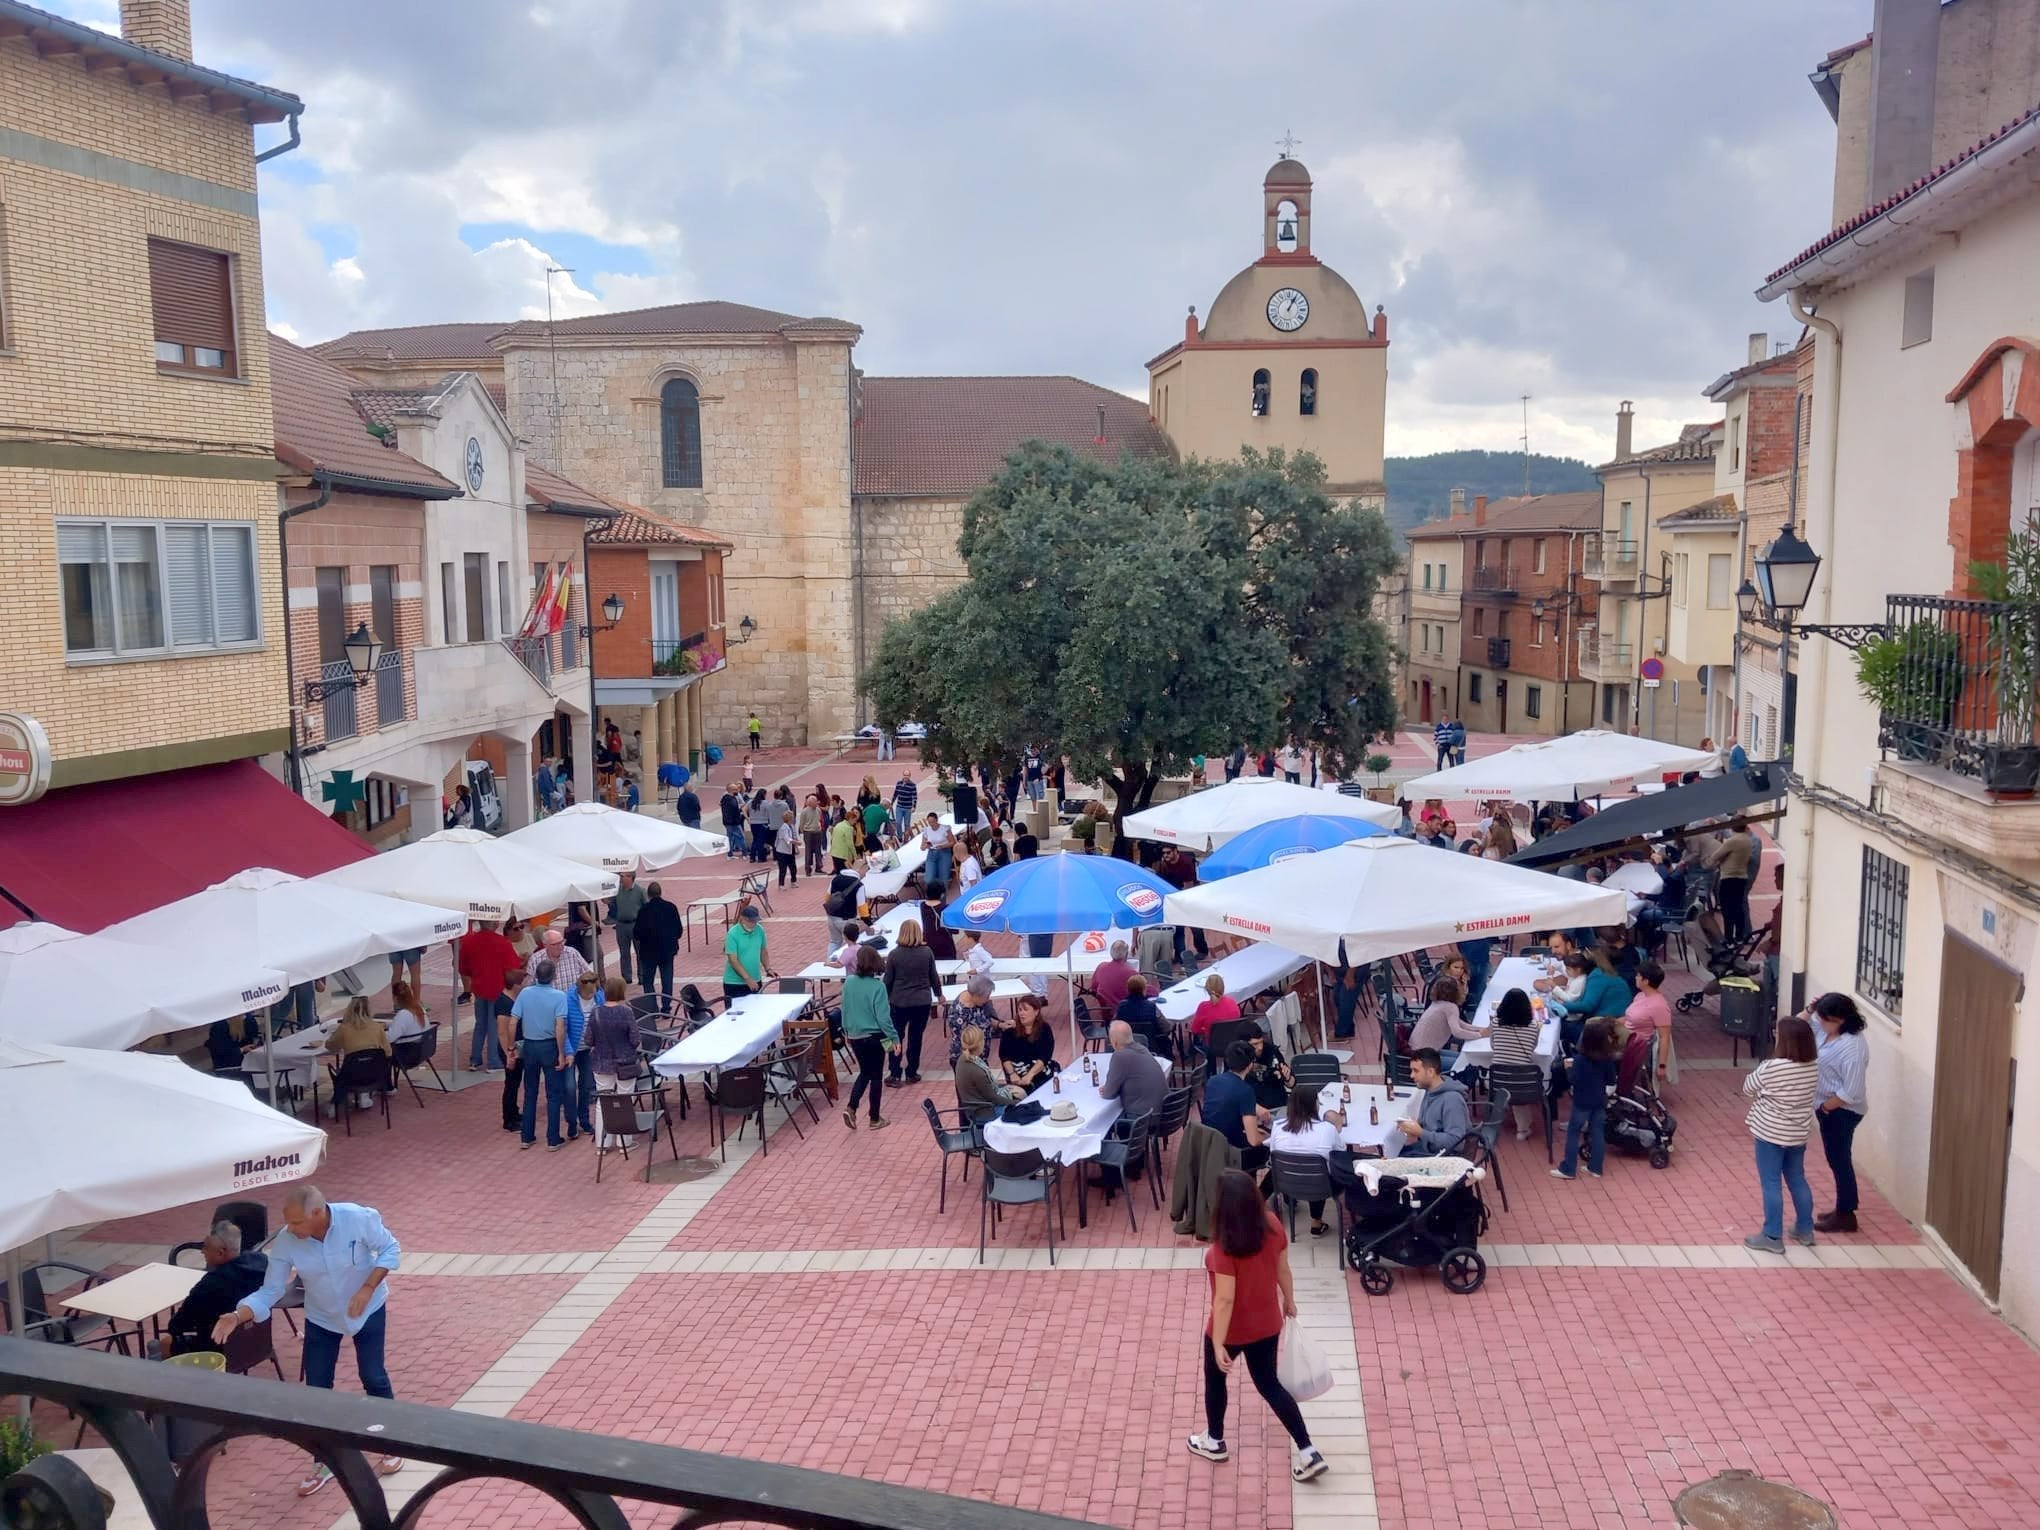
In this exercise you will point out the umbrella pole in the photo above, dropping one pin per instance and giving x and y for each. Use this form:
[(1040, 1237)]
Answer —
[(19, 1313), (1323, 1044), (453, 1007), (269, 1050)]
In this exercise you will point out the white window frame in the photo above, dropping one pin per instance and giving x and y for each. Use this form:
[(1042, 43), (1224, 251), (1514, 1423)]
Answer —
[(169, 648)]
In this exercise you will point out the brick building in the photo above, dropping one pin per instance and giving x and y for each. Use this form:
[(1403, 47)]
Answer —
[(1524, 606), (1436, 579)]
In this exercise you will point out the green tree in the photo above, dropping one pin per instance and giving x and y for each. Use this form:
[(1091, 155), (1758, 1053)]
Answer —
[(1133, 615)]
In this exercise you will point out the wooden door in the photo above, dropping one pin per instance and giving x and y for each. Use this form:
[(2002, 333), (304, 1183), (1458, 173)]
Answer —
[(1972, 1131)]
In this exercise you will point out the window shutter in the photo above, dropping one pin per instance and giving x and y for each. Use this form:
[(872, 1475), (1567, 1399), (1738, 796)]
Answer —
[(191, 293), (81, 544), (134, 544), (233, 583), (190, 586)]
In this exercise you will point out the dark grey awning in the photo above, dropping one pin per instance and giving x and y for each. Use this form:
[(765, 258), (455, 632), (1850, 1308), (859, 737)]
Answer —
[(1703, 802)]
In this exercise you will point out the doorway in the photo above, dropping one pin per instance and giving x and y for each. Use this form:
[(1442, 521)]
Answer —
[(1425, 713), (1969, 1149)]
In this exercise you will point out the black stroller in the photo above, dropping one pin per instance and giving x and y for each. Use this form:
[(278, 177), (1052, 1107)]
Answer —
[(1728, 958), (1419, 1214), (1638, 1122)]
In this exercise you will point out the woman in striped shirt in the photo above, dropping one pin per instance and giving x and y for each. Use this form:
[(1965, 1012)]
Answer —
[(1781, 1091)]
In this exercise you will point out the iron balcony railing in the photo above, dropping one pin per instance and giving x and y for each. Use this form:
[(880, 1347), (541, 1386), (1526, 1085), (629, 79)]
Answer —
[(535, 654), (1498, 653), (1606, 557), (1498, 578), (570, 646), (588, 1475), (341, 715), (389, 689), (1958, 686)]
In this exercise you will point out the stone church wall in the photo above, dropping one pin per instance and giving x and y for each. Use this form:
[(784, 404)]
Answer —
[(909, 557)]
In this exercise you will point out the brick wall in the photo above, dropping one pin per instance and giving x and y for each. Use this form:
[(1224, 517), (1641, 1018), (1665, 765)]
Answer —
[(355, 532), (1767, 431)]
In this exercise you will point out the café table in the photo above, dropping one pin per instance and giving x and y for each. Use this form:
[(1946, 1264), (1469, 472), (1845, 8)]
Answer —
[(300, 1052), (140, 1295), (1068, 1143), (884, 886), (1383, 1136), (733, 1038), (1251, 970), (1517, 972)]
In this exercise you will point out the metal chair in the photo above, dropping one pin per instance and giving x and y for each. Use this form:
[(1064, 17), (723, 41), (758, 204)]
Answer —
[(652, 1008), (699, 1011), (620, 1117), (739, 1092), (1126, 1149), (1020, 1179), (1520, 1083), (756, 884), (418, 1052), (1300, 1177), (188, 1256), (250, 1345), (954, 1141), (362, 1073), (1487, 1117), (81, 1328), (801, 1069), (1169, 1119), (1225, 1032), (1396, 1066), (1314, 1069)]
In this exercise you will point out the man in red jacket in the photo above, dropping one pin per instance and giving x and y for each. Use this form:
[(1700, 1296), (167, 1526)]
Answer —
[(485, 956)]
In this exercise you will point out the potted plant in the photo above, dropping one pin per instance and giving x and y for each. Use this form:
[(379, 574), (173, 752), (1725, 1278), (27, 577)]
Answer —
[(2011, 761), (1913, 676)]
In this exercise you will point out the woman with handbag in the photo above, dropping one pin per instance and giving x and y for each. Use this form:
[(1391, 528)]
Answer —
[(1252, 1291)]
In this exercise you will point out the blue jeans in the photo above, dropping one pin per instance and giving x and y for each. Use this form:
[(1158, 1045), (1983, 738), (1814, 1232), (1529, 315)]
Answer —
[(1590, 1117), (582, 1108), (885, 745), (542, 1061), (902, 820), (485, 1048), (1775, 1162), (936, 868), (734, 833), (322, 1355), (1037, 788)]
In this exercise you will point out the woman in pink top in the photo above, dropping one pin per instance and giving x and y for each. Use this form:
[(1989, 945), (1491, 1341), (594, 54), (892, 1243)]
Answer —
[(1649, 1017), (1217, 1007)]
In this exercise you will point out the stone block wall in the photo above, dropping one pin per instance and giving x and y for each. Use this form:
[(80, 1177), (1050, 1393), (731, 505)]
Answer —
[(908, 558)]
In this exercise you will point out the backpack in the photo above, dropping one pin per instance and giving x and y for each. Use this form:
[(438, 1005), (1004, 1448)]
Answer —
[(841, 904)]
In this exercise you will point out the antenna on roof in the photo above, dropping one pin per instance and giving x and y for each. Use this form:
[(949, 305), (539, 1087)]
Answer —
[(550, 272), (1526, 444)]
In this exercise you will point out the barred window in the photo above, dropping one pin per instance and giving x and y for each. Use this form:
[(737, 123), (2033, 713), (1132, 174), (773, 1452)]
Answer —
[(1880, 931)]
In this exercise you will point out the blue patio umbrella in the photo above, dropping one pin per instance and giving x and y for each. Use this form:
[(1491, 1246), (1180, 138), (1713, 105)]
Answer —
[(1280, 839)]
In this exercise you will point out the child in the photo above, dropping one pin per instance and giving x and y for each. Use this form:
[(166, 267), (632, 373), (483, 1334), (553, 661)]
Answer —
[(1592, 1073)]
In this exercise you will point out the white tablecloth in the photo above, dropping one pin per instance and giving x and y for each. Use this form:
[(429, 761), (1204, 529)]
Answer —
[(1513, 972), (733, 1038), (879, 885), (1079, 1140), (1002, 988), (296, 1054), (1364, 1135), (1251, 970)]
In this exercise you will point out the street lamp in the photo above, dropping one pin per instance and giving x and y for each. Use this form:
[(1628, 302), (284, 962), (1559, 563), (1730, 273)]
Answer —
[(364, 651), (1785, 574), (612, 613), (746, 630)]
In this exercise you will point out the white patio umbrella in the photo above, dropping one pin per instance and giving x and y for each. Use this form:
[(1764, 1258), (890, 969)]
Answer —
[(304, 929), (1382, 896), (477, 875), (1589, 764), (610, 839), (95, 1135), (57, 986), (1204, 820)]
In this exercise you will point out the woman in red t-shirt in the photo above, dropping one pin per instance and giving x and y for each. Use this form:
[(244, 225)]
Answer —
[(1251, 1293)]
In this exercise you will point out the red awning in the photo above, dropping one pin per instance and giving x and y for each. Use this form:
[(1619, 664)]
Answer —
[(91, 856)]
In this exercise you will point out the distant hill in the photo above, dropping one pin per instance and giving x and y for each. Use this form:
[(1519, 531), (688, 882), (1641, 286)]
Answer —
[(1420, 488)]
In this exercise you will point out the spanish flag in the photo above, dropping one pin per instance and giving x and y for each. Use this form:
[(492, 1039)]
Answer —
[(537, 618), (562, 598)]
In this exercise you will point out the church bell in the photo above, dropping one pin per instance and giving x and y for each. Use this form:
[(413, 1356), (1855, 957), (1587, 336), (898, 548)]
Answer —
[(1285, 231)]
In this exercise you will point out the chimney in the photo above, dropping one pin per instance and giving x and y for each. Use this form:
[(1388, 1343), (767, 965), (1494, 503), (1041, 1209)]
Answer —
[(1907, 46), (1480, 509), (1099, 439), (1760, 347), (161, 26), (1190, 336), (1459, 501), (1625, 420)]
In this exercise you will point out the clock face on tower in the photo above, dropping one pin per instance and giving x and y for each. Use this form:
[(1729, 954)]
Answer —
[(1288, 309), (474, 465)]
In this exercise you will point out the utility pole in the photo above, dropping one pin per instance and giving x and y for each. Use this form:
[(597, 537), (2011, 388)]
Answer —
[(558, 460), (1526, 445)]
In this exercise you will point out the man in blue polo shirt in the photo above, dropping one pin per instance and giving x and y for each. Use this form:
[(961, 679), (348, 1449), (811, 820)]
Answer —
[(1231, 1110)]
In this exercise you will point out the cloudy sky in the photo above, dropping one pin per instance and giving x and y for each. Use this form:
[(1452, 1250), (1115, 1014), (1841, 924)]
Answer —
[(1567, 198)]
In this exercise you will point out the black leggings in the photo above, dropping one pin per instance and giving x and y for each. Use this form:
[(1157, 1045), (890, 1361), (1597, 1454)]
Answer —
[(911, 1021), (787, 869), (1733, 894), (1261, 1368), (870, 1054)]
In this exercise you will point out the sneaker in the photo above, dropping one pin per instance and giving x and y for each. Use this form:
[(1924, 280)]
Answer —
[(554, 1147), (879, 1123), (1593, 1174), (389, 1466), (1804, 1239), (1523, 1136), (1204, 1445), (850, 1118), (319, 1478), (1307, 1463), (1560, 1174), (1764, 1245), (527, 1146)]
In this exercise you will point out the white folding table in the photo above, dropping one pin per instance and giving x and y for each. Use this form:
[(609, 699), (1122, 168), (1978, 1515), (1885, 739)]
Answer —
[(733, 1038), (1518, 972), (1249, 971), (1071, 1143)]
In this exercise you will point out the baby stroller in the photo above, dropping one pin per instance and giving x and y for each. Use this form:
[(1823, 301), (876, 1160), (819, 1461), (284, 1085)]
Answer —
[(1415, 1213), (1638, 1122), (1727, 958)]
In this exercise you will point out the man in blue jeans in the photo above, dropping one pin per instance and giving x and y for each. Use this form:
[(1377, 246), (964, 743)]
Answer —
[(540, 1020), (344, 1256)]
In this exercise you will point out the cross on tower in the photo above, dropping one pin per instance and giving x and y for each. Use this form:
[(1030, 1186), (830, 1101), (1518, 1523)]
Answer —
[(1287, 143)]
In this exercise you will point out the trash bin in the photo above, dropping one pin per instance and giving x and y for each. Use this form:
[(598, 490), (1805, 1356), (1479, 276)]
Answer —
[(181, 1437), (1743, 1016)]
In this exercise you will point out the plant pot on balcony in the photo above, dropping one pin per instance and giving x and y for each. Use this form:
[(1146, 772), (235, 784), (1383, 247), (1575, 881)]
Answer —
[(2012, 770)]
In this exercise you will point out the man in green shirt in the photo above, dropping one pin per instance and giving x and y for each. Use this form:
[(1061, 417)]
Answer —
[(842, 842), (623, 910), (875, 816), (745, 966)]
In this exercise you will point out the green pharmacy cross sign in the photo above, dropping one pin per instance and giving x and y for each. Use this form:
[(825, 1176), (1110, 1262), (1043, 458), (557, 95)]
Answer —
[(343, 791)]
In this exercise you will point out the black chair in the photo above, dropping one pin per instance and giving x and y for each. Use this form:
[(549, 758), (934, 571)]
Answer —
[(699, 1011), (1487, 1116), (188, 1256), (87, 1329), (1397, 1067), (251, 1345), (621, 1116), (739, 1092), (1300, 1177), (1225, 1032), (252, 1217), (655, 1009), (362, 1073), (798, 1071), (1169, 1119), (1521, 1083), (954, 1141), (1124, 1150), (1314, 1069), (418, 1052), (1020, 1179)]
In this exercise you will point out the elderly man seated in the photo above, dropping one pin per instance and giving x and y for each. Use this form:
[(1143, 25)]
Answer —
[(1110, 980), (1133, 1077), (231, 1274)]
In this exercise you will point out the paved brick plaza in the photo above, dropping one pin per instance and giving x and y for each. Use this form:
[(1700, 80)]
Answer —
[(813, 1307)]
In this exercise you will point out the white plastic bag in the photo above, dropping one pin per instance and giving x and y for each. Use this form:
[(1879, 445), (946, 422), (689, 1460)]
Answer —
[(1303, 1367)]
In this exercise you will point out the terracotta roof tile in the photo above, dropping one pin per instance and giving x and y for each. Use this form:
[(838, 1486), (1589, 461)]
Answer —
[(1695, 444), (1877, 210), (1578, 511), (413, 342), (709, 318), (321, 429), (382, 406), (1720, 508), (640, 528), (931, 436)]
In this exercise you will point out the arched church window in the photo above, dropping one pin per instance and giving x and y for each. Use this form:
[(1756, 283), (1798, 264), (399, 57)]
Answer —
[(1285, 226), (680, 434), (1261, 383), (1306, 395)]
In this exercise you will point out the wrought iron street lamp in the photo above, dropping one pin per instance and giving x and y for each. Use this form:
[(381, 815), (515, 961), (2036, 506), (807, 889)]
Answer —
[(746, 630), (364, 651), (612, 613)]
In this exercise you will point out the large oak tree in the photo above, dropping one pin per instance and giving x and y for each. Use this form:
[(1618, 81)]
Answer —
[(1131, 616)]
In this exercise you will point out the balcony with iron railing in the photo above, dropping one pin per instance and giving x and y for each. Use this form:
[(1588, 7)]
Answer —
[(339, 715), (1957, 686), (1606, 659), (145, 1411), (1492, 579), (535, 654), (1605, 557), (389, 689), (691, 655)]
